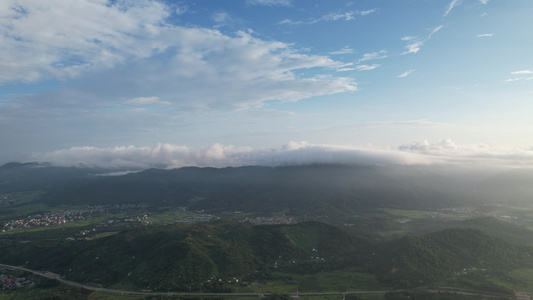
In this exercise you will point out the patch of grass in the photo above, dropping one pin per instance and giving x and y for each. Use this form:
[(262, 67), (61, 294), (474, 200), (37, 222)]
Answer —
[(168, 216), (524, 278)]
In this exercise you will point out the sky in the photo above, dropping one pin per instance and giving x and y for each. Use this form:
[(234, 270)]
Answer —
[(226, 83)]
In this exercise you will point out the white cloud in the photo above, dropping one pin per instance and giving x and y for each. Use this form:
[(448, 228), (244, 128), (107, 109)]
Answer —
[(345, 69), (406, 73), (366, 12), (485, 35), (145, 100), (373, 55), (413, 47), (289, 22), (452, 4), (484, 1), (44, 39), (408, 38), (346, 16), (174, 156), (293, 153), (512, 79), (366, 67), (140, 52), (522, 72), (269, 2), (502, 154)]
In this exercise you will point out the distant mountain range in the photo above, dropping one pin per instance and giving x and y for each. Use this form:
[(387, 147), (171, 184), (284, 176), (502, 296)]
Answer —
[(308, 189)]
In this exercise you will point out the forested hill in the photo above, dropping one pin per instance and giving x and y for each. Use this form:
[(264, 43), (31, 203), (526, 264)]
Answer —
[(181, 256), (189, 257), (462, 254)]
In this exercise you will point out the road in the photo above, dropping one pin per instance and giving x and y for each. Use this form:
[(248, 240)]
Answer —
[(59, 278)]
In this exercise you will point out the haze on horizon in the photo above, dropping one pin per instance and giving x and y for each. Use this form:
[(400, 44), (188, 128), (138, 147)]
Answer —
[(227, 83)]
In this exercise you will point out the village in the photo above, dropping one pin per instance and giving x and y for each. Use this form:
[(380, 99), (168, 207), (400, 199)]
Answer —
[(53, 218)]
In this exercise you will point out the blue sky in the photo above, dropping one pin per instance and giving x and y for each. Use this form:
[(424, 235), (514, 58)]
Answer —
[(215, 83)]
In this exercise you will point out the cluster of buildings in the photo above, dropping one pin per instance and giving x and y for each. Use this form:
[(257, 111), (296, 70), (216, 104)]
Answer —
[(10, 283), (52, 218), (143, 220), (283, 219)]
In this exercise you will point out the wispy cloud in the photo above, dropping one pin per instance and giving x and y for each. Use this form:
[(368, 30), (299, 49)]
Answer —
[(518, 78), (373, 55), (406, 73), (408, 38), (522, 72), (415, 44), (485, 35), (145, 100), (331, 17), (451, 5), (345, 69), (484, 1), (290, 22), (434, 31), (366, 12), (269, 2), (340, 16), (344, 50), (413, 47), (366, 67)]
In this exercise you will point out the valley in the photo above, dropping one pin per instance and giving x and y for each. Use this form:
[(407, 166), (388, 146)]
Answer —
[(323, 245)]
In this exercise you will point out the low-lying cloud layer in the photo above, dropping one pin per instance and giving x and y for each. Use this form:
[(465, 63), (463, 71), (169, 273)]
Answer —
[(294, 153)]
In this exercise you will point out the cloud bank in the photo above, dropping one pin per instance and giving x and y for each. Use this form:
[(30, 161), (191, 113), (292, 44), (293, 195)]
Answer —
[(294, 153)]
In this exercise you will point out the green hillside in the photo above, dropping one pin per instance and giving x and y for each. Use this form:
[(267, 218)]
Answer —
[(457, 255)]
